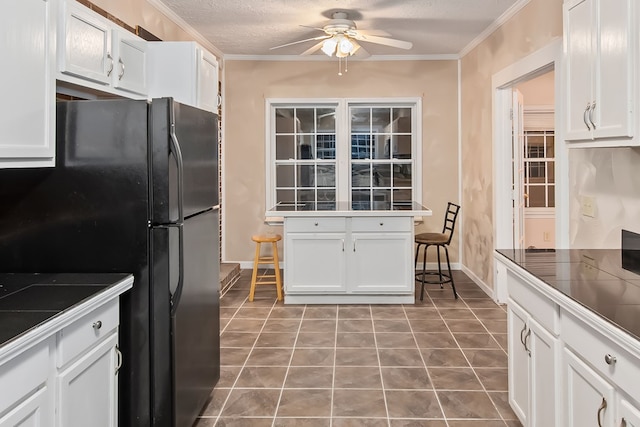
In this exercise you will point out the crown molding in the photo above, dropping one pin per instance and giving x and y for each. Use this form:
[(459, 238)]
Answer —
[(166, 11), (508, 14), (439, 57)]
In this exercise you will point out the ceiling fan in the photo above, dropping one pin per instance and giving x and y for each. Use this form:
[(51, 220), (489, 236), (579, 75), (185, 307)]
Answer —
[(341, 38)]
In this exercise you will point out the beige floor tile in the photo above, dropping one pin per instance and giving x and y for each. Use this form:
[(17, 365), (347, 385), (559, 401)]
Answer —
[(358, 403)]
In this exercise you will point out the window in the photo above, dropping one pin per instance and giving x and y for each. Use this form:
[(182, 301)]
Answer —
[(539, 176), (344, 150)]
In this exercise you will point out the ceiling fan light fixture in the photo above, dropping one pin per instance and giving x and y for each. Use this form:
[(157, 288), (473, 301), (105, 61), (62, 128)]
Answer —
[(345, 46)]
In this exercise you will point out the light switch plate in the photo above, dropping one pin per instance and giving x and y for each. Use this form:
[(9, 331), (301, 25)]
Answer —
[(588, 206)]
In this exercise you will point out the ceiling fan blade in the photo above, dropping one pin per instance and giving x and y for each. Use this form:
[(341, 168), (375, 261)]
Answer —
[(361, 52), (371, 33), (384, 41), (314, 28), (312, 49), (300, 41)]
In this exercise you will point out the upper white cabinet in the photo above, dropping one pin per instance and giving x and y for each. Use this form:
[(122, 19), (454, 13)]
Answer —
[(28, 47), (185, 71), (600, 64), (97, 53)]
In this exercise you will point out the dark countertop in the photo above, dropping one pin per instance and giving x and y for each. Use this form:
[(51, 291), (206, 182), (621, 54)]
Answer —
[(29, 300), (592, 277)]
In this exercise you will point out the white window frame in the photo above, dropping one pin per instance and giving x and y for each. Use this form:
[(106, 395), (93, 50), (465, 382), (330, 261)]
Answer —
[(343, 131)]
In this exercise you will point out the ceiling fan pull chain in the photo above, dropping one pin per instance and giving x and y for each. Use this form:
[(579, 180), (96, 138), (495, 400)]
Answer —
[(339, 66), (346, 64)]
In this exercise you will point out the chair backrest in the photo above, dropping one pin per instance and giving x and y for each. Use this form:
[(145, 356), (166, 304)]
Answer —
[(450, 220)]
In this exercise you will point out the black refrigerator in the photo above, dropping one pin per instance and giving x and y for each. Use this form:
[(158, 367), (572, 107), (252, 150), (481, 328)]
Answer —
[(134, 190)]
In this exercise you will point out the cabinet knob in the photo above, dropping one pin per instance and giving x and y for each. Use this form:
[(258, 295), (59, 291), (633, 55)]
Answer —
[(381, 224), (97, 325), (610, 359), (316, 224)]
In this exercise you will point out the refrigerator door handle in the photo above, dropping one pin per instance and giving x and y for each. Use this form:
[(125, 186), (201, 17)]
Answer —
[(177, 154)]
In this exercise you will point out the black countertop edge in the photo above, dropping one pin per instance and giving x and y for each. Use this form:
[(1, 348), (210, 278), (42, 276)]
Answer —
[(594, 278), (27, 301)]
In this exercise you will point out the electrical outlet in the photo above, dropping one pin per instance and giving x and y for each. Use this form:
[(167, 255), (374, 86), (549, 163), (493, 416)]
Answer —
[(545, 236), (588, 206)]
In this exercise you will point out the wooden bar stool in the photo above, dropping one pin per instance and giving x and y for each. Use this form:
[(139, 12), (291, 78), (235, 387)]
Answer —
[(273, 239)]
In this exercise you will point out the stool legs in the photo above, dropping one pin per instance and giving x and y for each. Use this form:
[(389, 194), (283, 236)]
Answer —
[(443, 278), (266, 260), (276, 267), (254, 275)]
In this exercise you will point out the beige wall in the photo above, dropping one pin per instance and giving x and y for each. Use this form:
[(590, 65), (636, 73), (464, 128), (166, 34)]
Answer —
[(531, 29), (249, 83)]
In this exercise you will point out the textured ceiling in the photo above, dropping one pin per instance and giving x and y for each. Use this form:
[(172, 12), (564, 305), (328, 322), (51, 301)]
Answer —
[(251, 27)]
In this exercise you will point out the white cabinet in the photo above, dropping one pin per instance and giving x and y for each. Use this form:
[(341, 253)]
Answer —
[(64, 373), (600, 64), (315, 263), (185, 71), (589, 399), (96, 53), (88, 388), (380, 248), (601, 374), (532, 368), (532, 321), (28, 47), (348, 259), (26, 399)]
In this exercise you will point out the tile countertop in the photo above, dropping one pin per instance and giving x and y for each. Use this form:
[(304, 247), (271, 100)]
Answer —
[(28, 301), (346, 209), (592, 277)]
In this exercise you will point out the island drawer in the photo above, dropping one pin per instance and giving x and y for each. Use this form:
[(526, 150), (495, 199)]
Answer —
[(86, 332), (315, 224), (384, 224), (603, 353), (541, 308)]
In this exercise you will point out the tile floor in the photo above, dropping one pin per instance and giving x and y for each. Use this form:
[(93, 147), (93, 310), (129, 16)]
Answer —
[(438, 363)]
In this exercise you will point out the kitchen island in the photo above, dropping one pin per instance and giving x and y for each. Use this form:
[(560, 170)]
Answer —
[(574, 337), (59, 355), (348, 253)]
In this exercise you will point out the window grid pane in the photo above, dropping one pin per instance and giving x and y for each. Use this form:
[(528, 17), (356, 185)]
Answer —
[(539, 168), (305, 154), (381, 159)]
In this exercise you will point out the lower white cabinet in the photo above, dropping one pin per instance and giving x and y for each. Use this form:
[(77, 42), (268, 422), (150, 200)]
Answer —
[(589, 399), (69, 378), (348, 256), (568, 367), (26, 398), (88, 388), (315, 263), (532, 368)]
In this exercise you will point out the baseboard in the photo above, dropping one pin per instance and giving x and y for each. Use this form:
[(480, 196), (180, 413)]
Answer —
[(481, 284), (248, 265)]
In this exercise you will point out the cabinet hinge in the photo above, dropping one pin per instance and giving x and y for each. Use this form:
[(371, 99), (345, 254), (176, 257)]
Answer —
[(511, 114)]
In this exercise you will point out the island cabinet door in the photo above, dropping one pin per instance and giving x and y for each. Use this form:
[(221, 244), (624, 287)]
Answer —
[(315, 263), (380, 263), (629, 414), (589, 398)]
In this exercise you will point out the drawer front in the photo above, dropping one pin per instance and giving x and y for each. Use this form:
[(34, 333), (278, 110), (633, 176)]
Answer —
[(23, 374), (594, 347), (542, 309), (86, 332), (315, 224), (386, 224)]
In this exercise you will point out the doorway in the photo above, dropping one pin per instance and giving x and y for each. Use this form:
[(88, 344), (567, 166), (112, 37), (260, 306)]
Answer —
[(509, 204)]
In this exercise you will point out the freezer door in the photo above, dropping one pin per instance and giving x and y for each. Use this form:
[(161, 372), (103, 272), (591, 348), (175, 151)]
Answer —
[(184, 148), (186, 303)]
